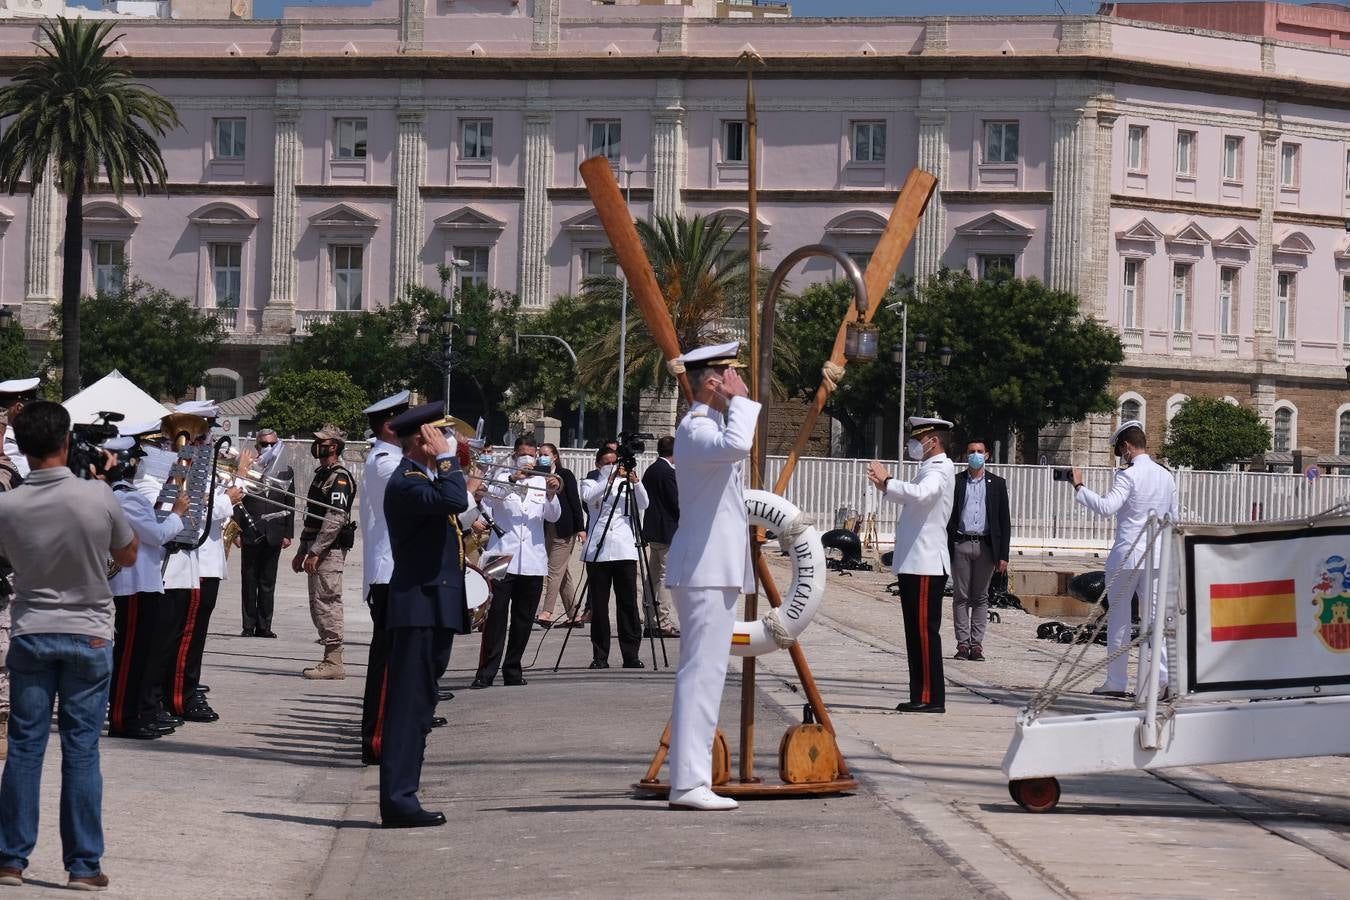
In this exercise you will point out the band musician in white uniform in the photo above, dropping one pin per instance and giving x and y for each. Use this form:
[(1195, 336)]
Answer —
[(1141, 489), (708, 567)]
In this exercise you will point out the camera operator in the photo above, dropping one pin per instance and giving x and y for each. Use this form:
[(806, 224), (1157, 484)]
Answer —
[(520, 510), (614, 499), (58, 531)]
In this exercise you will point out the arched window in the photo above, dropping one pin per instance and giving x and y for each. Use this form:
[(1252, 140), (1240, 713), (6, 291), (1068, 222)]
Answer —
[(1343, 433), (223, 384), (1129, 410), (1284, 429), (1174, 404), (1131, 406)]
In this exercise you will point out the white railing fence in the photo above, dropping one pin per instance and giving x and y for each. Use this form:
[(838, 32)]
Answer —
[(1043, 511)]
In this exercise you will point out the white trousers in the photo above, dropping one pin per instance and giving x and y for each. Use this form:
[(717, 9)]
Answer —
[(1121, 588), (707, 617)]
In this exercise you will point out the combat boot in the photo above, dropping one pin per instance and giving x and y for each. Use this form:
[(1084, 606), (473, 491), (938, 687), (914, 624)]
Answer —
[(331, 668), (4, 735)]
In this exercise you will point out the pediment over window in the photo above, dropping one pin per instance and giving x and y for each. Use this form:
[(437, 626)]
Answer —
[(223, 212), (996, 225), (1294, 242), (469, 219), (1343, 251), (345, 215), (1189, 234), (106, 212), (1142, 231), (860, 223), (585, 223), (1239, 239), (734, 220)]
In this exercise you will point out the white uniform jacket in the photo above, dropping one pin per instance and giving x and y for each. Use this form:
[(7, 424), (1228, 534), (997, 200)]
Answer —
[(211, 561), (143, 577), (521, 520), (600, 498), (181, 572), (377, 557), (1144, 487), (12, 451), (925, 507), (711, 548)]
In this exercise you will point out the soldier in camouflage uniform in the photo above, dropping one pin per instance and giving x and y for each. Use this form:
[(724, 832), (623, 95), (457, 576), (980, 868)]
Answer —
[(324, 542)]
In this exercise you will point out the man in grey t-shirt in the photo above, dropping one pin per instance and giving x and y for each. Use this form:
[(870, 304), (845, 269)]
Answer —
[(58, 531)]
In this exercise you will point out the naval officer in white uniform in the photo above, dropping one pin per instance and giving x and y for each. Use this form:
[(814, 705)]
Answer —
[(708, 567), (13, 395), (1141, 489), (922, 561)]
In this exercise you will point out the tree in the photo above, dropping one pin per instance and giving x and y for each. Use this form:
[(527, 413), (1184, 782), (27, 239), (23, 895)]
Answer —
[(159, 341), (74, 112), (1024, 356), (15, 361), (545, 373), (300, 403), (1209, 433)]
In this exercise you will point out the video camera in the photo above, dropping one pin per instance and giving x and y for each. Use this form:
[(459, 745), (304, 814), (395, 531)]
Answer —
[(631, 444), (84, 445)]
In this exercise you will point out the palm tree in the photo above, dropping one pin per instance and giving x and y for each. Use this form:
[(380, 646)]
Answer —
[(72, 113), (704, 283)]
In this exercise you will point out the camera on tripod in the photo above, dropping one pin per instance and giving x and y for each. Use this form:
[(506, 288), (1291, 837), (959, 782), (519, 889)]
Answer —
[(631, 445), (85, 451)]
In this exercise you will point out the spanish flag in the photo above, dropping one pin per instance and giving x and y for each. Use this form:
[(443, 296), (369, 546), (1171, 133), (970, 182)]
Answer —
[(1252, 611)]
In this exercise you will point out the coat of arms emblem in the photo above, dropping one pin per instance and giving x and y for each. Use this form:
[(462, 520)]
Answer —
[(1331, 596)]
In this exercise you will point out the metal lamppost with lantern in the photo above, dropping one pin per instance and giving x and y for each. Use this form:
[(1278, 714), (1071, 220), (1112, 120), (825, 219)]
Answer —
[(445, 328), (923, 374)]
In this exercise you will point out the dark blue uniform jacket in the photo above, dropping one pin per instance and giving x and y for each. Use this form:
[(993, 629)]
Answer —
[(427, 587)]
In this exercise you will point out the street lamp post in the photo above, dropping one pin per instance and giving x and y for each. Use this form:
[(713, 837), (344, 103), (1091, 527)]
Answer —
[(581, 396), (445, 362), (923, 374)]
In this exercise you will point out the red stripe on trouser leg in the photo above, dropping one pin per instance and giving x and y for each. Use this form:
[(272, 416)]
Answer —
[(124, 659), (926, 696), (184, 647), (377, 740)]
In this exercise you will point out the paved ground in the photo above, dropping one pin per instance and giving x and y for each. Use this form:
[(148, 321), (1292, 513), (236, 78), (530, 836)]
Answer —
[(272, 801)]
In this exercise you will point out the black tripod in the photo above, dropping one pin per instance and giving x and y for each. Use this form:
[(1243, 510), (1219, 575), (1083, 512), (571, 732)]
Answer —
[(624, 498)]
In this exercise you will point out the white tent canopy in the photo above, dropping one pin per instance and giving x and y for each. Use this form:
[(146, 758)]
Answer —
[(113, 392)]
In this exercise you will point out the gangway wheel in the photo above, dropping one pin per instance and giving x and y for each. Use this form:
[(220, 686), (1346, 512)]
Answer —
[(1037, 795)]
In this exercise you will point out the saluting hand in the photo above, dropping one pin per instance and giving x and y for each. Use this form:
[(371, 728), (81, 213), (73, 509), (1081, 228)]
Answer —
[(733, 385), (435, 441)]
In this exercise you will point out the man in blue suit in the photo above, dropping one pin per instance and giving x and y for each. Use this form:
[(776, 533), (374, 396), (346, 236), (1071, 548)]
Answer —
[(422, 503)]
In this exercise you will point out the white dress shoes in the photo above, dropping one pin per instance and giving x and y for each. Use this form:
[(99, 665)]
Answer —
[(700, 798)]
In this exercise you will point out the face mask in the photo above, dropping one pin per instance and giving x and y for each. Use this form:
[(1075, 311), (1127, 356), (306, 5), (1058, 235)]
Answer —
[(545, 462), (914, 449), (975, 461), (525, 462)]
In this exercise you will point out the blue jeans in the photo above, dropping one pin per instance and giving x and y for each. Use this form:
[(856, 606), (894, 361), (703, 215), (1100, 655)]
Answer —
[(77, 669)]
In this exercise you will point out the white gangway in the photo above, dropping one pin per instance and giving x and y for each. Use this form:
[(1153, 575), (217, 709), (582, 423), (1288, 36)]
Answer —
[(1256, 620)]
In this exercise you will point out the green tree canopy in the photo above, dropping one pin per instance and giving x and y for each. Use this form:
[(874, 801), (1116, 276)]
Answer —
[(76, 112), (159, 341), (15, 361), (299, 403), (1210, 433)]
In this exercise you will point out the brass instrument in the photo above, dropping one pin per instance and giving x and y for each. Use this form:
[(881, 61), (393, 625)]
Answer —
[(193, 471)]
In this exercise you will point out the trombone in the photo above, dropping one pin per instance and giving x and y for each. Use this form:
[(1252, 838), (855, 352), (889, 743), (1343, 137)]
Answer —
[(257, 485)]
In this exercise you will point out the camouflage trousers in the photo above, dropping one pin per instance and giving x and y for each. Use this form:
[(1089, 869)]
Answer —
[(325, 598), (4, 651)]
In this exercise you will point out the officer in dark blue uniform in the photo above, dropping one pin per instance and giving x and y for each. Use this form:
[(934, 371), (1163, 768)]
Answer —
[(422, 503)]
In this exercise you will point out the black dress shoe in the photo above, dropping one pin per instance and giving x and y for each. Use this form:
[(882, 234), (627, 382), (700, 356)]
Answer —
[(423, 818), (478, 684), (438, 721), (514, 682), (634, 664), (138, 733), (599, 664), (921, 708), (203, 688), (248, 632), (266, 633), (168, 719), (445, 695), (200, 713)]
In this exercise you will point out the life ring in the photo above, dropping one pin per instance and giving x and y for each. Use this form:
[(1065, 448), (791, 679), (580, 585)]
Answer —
[(775, 515)]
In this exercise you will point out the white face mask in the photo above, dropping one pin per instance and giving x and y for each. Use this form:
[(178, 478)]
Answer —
[(525, 462), (914, 449)]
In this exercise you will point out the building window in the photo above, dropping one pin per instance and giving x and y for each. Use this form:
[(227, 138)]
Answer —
[(347, 264), (1343, 435), (231, 138), (733, 142), (1000, 142), (605, 137), (600, 262), (1181, 296), (1284, 429), (869, 142), (476, 272), (227, 274), (475, 139), (1289, 165), (1286, 290), (110, 261), (994, 264), (1130, 294), (221, 388), (1186, 153), (349, 141), (1345, 309), (1232, 158), (1228, 289), (1130, 410), (1137, 148), (862, 260)]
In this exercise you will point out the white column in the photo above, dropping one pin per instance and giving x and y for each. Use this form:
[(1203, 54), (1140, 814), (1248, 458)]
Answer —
[(669, 160), (931, 237), (44, 236), (1071, 206), (536, 213), (409, 213), (1097, 275), (279, 315), (1264, 336)]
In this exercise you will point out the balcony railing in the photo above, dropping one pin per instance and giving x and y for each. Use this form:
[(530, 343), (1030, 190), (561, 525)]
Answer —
[(306, 318), (228, 317)]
